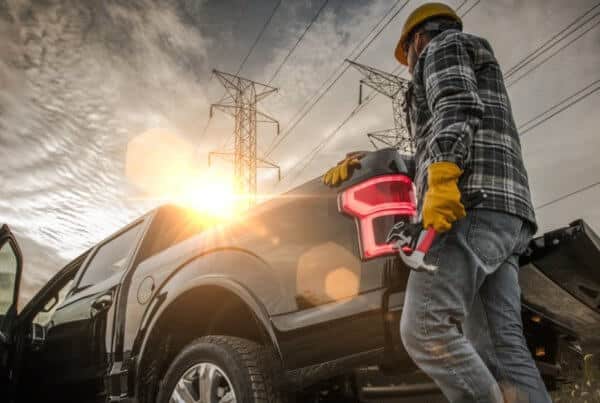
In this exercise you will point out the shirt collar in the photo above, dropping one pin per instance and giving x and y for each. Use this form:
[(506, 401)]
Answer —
[(423, 54)]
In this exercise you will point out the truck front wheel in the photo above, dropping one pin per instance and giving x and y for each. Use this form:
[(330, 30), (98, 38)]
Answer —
[(221, 369)]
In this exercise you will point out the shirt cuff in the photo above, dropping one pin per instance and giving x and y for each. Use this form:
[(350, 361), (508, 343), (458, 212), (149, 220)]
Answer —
[(448, 157)]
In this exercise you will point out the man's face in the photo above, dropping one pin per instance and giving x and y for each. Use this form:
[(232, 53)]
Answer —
[(411, 56), (413, 49)]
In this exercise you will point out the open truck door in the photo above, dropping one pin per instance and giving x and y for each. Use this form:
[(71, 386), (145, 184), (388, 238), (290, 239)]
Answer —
[(11, 263)]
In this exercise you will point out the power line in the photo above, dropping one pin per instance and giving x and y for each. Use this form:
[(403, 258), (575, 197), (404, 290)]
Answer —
[(533, 54), (293, 48), (320, 146), (258, 38), (561, 198), (568, 105), (400, 69), (303, 115), (316, 150), (336, 76), (513, 82), (369, 97), (522, 125), (313, 153), (470, 8), (381, 29)]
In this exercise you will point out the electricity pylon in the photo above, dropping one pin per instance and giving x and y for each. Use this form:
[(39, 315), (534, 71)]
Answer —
[(240, 101), (394, 87)]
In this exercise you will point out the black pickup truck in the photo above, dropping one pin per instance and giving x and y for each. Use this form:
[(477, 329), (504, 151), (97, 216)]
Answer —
[(299, 299)]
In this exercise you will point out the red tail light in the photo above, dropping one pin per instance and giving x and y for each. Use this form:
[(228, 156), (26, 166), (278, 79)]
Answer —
[(377, 204)]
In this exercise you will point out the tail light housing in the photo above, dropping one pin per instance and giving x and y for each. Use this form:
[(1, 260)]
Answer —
[(376, 205)]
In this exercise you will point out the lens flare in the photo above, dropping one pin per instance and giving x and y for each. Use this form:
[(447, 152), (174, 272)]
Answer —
[(212, 194), (162, 164), (159, 162)]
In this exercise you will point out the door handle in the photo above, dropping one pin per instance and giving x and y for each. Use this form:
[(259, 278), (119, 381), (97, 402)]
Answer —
[(101, 304)]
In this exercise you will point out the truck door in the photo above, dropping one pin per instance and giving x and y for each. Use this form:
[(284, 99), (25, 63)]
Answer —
[(77, 350), (11, 263)]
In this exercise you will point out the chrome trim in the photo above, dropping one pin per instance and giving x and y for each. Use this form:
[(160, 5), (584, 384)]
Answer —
[(203, 383)]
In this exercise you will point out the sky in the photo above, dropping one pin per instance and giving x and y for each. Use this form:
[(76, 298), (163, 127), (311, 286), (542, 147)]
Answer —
[(85, 85)]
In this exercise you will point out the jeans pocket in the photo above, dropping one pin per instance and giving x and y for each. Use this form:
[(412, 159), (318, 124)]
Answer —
[(493, 235)]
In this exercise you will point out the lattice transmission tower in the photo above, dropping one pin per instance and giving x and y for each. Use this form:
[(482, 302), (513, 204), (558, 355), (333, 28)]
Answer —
[(394, 87), (240, 100)]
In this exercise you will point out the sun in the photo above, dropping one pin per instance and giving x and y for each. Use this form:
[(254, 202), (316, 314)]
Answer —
[(162, 164), (211, 193)]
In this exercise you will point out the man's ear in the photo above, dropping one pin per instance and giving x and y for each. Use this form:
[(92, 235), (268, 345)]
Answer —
[(417, 38), (420, 41)]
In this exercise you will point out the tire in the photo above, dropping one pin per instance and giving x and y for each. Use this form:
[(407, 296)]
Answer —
[(247, 368)]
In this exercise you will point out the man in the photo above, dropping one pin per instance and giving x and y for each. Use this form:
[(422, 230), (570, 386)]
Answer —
[(466, 144)]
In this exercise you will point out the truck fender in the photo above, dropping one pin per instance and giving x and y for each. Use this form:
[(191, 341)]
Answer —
[(193, 274)]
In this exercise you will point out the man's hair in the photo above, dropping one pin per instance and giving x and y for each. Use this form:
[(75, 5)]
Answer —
[(433, 27)]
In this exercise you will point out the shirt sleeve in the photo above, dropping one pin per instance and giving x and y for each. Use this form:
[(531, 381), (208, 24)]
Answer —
[(452, 97)]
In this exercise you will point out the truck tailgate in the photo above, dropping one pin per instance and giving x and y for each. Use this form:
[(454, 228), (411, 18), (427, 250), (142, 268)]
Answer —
[(562, 277)]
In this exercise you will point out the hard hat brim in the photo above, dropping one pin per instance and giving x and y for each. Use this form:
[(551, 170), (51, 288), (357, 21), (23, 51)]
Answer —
[(401, 56)]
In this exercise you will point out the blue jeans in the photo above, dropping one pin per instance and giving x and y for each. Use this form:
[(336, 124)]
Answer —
[(473, 297)]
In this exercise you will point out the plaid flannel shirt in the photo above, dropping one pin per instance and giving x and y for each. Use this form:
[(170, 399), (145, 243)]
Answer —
[(459, 111)]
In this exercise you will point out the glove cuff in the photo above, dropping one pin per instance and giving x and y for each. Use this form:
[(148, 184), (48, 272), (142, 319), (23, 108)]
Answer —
[(442, 172)]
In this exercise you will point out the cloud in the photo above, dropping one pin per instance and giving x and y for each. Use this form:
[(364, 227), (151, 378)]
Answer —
[(79, 80)]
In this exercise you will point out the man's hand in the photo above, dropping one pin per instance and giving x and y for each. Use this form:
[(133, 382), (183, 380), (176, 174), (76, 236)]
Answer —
[(343, 170), (442, 205)]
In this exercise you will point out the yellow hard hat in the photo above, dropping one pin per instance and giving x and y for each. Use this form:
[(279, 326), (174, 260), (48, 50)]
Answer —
[(417, 17)]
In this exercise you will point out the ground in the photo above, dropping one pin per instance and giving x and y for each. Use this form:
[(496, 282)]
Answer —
[(579, 392)]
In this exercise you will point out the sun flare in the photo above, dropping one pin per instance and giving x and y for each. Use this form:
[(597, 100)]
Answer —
[(162, 164), (212, 194)]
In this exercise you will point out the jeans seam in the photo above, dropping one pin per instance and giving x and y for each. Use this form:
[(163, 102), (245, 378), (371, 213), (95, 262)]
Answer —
[(465, 379), (426, 307), (501, 369), (471, 234), (449, 368)]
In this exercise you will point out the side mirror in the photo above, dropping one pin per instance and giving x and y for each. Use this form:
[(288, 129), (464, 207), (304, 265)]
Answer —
[(50, 304), (11, 263)]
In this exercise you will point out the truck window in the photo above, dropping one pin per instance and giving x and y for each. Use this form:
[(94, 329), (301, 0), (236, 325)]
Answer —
[(110, 258), (171, 225)]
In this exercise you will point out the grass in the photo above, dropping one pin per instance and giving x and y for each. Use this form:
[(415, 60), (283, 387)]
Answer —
[(582, 391)]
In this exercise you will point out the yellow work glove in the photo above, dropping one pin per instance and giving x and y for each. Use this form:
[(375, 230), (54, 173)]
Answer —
[(442, 205), (343, 170)]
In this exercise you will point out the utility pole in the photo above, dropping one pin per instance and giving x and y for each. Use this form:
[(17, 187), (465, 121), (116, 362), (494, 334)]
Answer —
[(240, 100), (394, 87)]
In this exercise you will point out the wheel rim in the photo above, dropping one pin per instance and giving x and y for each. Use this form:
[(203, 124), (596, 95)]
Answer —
[(203, 383)]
